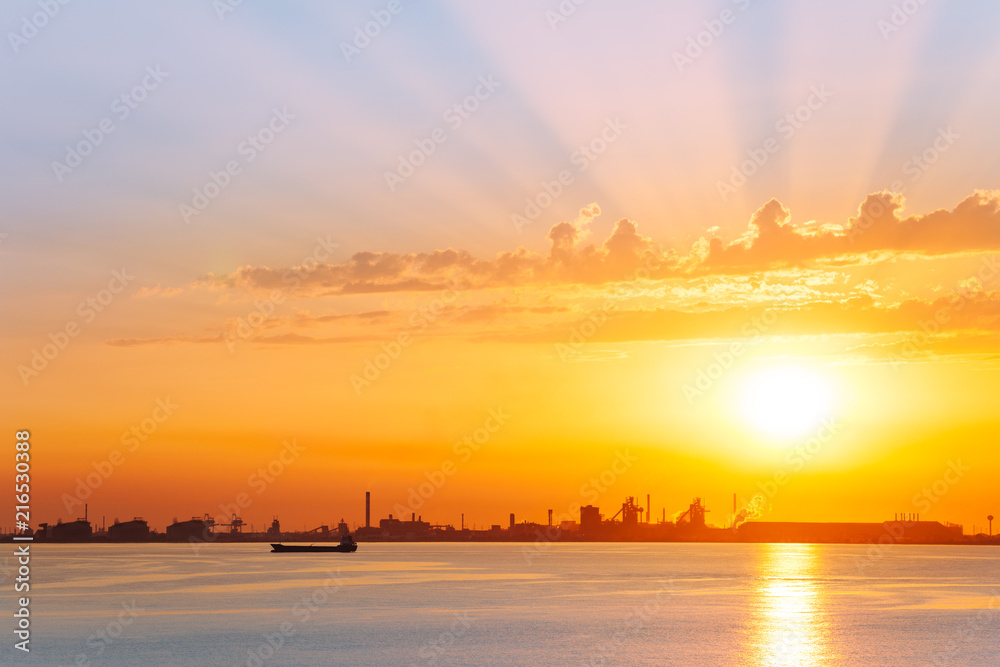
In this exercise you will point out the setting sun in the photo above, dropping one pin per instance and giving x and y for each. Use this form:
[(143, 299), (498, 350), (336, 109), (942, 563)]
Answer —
[(786, 401)]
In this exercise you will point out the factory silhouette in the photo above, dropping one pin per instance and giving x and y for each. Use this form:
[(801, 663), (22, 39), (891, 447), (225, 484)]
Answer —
[(630, 523)]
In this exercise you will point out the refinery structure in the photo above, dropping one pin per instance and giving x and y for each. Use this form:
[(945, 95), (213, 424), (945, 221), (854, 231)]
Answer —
[(629, 522)]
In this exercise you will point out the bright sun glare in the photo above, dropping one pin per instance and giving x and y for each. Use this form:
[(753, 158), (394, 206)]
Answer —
[(786, 401)]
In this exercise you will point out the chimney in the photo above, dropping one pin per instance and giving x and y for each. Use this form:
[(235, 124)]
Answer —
[(413, 517), (550, 518), (84, 511), (649, 517), (368, 509)]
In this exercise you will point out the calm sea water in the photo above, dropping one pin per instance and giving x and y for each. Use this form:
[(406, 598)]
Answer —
[(495, 604)]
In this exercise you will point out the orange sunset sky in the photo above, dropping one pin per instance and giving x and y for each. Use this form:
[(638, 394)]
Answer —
[(766, 263)]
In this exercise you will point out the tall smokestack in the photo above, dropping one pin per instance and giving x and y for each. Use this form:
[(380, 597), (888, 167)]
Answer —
[(550, 518), (368, 509), (649, 517), (85, 511)]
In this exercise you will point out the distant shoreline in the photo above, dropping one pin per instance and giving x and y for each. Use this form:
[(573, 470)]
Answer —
[(252, 539)]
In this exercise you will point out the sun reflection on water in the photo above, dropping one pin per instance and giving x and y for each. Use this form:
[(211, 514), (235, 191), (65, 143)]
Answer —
[(789, 624)]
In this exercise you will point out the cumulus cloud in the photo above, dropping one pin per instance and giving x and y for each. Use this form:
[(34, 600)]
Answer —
[(711, 292), (879, 226), (570, 260), (772, 241)]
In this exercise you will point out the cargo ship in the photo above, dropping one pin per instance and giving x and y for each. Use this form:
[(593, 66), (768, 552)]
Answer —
[(347, 545)]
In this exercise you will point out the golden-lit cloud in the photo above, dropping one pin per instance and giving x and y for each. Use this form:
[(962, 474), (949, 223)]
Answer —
[(810, 278), (773, 240), (878, 231), (569, 261)]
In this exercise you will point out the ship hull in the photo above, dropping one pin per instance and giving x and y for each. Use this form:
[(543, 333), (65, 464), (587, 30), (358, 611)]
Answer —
[(311, 548)]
